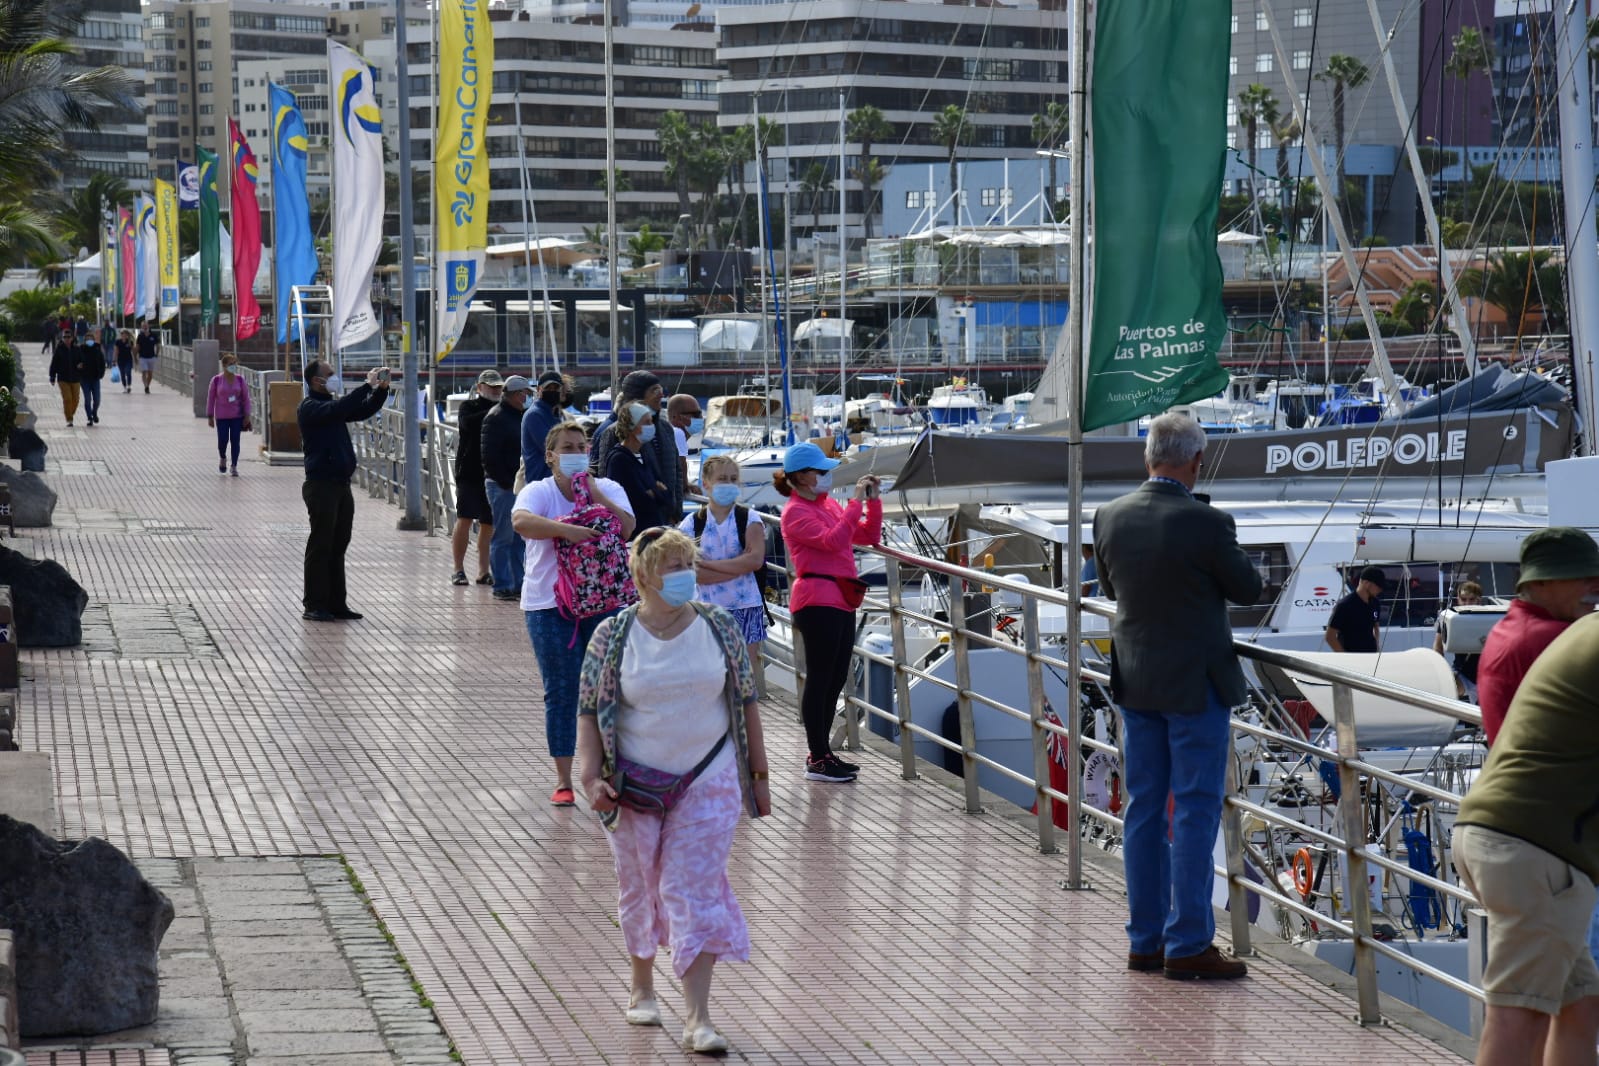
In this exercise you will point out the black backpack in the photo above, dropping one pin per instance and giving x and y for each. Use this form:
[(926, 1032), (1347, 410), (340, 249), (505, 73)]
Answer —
[(741, 516)]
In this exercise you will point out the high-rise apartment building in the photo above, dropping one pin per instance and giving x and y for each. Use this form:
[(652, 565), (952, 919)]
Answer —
[(111, 34)]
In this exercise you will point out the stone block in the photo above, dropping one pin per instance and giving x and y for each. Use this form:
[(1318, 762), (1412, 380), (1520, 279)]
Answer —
[(47, 602), (10, 727), (88, 930), (9, 678), (26, 446), (33, 502), (10, 1035)]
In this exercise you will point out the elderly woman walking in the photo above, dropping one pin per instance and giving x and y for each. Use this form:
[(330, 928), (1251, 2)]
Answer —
[(669, 737)]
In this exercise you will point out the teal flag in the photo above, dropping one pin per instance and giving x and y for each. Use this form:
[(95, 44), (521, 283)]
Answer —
[(210, 237), (1159, 142)]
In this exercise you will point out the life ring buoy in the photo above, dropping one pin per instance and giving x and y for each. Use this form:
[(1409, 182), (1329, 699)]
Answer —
[(1304, 873)]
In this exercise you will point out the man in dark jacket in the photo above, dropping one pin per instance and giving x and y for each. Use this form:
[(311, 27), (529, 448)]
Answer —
[(660, 454), (329, 465), (501, 442), (542, 415), (1172, 564), (91, 368), (471, 501), (64, 373)]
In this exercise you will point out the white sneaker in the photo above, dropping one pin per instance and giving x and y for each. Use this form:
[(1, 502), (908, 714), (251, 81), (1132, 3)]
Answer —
[(644, 1012), (705, 1040)]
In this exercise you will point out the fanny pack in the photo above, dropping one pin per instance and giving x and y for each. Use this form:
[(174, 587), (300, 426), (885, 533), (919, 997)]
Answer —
[(853, 589), (644, 788)]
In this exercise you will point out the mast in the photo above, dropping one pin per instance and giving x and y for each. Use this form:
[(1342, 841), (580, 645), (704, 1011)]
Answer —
[(1446, 273), (610, 199), (1577, 183), (777, 303), (1074, 341), (1379, 353), (843, 277), (527, 237)]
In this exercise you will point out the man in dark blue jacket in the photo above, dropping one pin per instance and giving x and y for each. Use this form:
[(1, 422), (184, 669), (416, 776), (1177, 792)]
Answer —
[(329, 465)]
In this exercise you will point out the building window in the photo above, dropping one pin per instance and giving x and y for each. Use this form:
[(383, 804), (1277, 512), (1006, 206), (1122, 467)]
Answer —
[(201, 22), (913, 198), (1232, 65), (208, 131), (1302, 59), (202, 65), (1302, 16), (203, 44), (1260, 21), (1232, 113), (203, 87), (206, 109), (1235, 23), (1263, 139), (990, 198), (1263, 63)]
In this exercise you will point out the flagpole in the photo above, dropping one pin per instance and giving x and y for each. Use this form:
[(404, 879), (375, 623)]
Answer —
[(436, 308), (412, 518), (272, 166), (527, 237), (233, 235)]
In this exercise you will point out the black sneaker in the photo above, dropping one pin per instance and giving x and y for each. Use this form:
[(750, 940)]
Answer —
[(851, 767), (459, 578), (827, 768)]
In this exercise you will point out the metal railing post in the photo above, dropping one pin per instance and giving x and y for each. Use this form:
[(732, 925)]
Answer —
[(902, 681), (1351, 812), (1040, 735), (960, 647), (1232, 835), (1476, 960)]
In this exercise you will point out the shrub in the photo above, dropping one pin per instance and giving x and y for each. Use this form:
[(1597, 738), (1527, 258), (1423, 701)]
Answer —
[(8, 414), (8, 366)]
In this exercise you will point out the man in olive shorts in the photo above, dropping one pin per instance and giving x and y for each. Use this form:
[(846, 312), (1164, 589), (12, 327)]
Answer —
[(1527, 844)]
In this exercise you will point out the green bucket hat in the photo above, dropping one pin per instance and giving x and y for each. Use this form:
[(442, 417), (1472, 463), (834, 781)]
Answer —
[(1556, 554)]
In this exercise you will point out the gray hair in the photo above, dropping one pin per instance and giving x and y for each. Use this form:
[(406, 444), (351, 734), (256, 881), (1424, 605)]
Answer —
[(1174, 439)]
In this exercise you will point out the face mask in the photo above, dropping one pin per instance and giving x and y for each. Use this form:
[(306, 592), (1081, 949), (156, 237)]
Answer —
[(824, 484), (695, 425), (724, 495), (647, 434), (677, 588), (571, 464), (336, 385)]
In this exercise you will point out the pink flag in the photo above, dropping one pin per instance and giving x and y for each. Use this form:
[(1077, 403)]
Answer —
[(246, 219), (126, 274)]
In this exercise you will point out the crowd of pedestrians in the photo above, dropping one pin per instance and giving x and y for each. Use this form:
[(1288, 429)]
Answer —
[(82, 356)]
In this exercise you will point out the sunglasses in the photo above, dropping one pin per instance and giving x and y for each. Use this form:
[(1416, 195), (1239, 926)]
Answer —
[(650, 535)]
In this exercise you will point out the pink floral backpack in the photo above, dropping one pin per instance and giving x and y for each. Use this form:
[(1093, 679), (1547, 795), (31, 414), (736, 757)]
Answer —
[(591, 578)]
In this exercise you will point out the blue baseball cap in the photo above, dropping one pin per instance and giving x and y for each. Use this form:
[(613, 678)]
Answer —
[(806, 456)]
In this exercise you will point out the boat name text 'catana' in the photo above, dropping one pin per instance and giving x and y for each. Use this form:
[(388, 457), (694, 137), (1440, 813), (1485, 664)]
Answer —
[(1405, 449)]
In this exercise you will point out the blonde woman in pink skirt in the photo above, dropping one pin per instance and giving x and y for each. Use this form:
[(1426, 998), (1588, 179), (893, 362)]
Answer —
[(669, 740)]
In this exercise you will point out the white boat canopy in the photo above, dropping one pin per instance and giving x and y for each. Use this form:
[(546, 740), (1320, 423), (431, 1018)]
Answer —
[(1234, 236), (830, 328), (730, 334)]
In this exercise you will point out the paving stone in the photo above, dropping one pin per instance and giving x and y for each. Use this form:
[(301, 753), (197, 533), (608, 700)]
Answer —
[(233, 946), (273, 975), (307, 1021), (275, 999), (274, 927), (322, 1060), (266, 1043)]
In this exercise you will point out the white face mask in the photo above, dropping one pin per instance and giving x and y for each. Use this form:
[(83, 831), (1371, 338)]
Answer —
[(824, 484), (336, 386), (572, 464)]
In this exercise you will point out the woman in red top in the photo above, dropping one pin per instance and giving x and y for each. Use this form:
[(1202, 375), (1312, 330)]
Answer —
[(819, 536)]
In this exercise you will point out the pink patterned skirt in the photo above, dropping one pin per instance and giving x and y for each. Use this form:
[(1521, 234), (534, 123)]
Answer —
[(671, 874)]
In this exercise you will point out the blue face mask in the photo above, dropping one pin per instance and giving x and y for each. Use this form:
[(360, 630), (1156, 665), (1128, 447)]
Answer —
[(724, 495), (572, 464), (695, 425), (677, 588), (647, 434)]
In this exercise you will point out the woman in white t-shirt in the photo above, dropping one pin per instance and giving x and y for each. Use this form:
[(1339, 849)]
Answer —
[(536, 515), (667, 686), (729, 557)]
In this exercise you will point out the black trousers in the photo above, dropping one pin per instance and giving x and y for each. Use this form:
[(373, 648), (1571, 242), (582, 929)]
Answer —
[(829, 635), (331, 507)]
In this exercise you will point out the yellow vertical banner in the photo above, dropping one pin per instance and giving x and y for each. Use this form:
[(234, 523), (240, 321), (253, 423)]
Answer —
[(166, 237), (460, 162)]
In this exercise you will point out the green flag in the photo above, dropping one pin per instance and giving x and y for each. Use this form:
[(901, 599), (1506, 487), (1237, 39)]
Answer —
[(210, 238), (1159, 115)]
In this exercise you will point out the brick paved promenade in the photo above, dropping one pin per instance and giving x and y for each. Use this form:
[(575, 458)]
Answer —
[(204, 718)]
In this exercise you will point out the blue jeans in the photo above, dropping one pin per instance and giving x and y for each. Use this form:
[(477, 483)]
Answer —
[(1183, 755), (559, 644), (506, 559), (91, 398)]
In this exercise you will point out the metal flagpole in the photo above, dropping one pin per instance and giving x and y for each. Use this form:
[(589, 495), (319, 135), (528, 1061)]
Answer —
[(272, 161), (843, 278), (610, 198), (527, 237), (412, 518), (433, 222)]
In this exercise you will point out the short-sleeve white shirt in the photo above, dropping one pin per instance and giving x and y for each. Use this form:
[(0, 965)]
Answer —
[(544, 498)]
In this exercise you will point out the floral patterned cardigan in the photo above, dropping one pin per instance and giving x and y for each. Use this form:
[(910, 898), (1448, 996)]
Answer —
[(600, 691)]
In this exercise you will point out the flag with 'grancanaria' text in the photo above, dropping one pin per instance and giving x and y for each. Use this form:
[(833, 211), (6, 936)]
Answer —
[(460, 164)]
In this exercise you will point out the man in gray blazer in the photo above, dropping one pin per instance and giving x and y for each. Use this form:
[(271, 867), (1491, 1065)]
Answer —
[(1172, 563)]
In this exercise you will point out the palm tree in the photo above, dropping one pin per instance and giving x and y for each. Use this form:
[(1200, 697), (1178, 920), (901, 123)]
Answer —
[(953, 128), (642, 243), (77, 215), (1516, 283), (870, 173), (676, 138), (1345, 72), (1470, 53), (867, 125), (1256, 104), (815, 182), (26, 236), (1050, 127), (1285, 133)]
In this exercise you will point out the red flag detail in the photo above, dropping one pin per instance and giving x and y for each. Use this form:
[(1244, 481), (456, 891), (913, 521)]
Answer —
[(246, 218)]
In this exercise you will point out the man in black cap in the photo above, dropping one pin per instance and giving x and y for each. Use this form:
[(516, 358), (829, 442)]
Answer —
[(541, 416), (471, 495), (1353, 625), (501, 444), (660, 453)]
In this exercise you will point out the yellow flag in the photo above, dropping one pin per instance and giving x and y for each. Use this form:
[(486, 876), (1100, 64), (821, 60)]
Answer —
[(166, 237), (461, 165)]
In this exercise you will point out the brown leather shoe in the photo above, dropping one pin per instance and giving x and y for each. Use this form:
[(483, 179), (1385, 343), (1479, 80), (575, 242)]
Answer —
[(1208, 965), (1146, 961)]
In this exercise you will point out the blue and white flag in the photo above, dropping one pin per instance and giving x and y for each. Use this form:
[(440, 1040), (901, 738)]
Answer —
[(149, 264), (295, 254), (188, 186), (357, 194)]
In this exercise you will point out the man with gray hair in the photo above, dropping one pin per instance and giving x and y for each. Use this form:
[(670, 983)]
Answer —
[(1172, 563)]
